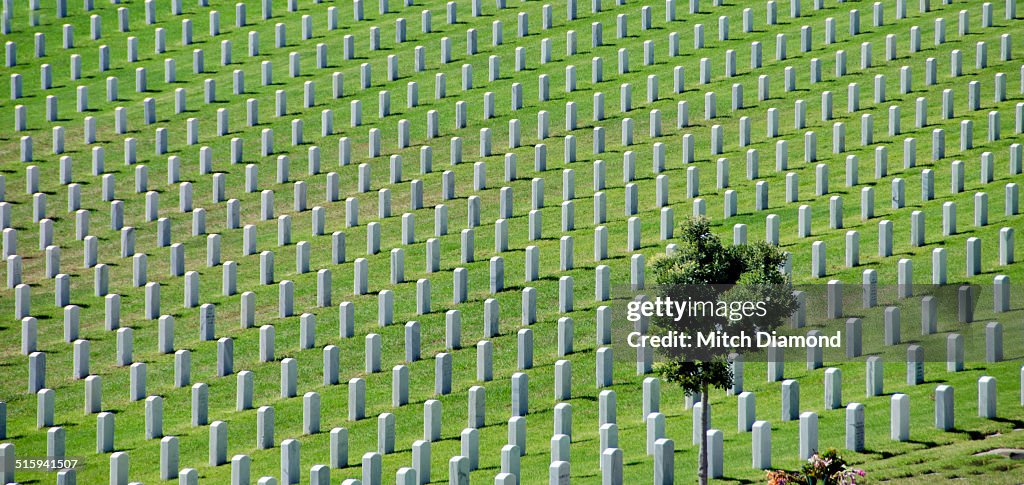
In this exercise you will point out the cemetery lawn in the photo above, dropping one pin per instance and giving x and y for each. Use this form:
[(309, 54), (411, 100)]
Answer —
[(930, 455)]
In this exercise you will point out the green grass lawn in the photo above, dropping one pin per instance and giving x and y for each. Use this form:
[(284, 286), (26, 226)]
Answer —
[(930, 455)]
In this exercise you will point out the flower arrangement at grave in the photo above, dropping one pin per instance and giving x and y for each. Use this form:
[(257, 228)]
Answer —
[(827, 468)]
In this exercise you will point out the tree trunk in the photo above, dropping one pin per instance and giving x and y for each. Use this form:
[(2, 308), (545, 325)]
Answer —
[(705, 414)]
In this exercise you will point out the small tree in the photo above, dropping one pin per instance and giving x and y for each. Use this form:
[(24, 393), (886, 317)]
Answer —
[(704, 269)]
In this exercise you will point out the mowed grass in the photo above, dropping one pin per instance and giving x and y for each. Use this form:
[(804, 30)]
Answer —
[(931, 454)]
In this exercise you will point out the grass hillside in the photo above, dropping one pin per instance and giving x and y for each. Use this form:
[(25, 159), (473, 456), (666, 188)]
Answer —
[(930, 455)]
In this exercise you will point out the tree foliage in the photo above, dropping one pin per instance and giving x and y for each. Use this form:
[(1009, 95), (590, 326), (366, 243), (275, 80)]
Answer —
[(705, 269)]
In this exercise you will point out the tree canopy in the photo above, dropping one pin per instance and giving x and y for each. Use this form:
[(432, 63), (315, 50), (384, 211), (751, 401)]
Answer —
[(705, 269)]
